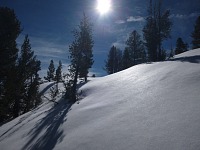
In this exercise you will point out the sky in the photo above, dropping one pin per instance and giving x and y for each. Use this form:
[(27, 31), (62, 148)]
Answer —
[(49, 24)]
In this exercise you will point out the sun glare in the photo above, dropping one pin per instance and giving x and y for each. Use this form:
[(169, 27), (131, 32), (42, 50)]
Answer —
[(103, 6)]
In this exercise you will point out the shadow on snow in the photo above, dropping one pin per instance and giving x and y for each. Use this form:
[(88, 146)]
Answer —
[(191, 59), (50, 124)]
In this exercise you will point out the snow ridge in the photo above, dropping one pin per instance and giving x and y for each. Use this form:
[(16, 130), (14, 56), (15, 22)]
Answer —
[(149, 106)]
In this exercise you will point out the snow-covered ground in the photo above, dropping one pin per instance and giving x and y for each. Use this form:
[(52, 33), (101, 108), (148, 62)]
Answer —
[(147, 107)]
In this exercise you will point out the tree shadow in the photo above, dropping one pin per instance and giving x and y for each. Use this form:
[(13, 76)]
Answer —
[(46, 88), (23, 118), (191, 59), (82, 83), (50, 124)]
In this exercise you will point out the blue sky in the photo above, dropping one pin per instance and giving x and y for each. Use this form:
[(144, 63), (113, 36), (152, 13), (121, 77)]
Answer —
[(49, 24)]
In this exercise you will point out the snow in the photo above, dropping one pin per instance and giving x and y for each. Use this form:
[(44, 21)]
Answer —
[(148, 106)]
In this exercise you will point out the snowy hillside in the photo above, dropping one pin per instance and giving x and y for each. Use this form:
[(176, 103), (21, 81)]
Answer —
[(150, 106)]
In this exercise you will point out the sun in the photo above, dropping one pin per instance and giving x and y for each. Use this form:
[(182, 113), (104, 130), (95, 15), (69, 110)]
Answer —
[(103, 6)]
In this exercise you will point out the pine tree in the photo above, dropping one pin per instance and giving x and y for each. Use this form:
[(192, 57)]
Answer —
[(75, 56), (68, 80), (180, 46), (10, 94), (163, 28), (28, 82), (85, 45), (33, 90), (50, 72), (114, 61), (81, 53), (163, 55), (126, 59), (157, 29), (149, 34), (54, 91), (9, 31), (136, 48), (171, 55), (196, 34), (119, 62), (58, 77)]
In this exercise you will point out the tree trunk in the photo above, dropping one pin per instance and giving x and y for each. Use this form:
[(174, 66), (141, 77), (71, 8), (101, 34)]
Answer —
[(85, 78), (73, 98), (16, 108)]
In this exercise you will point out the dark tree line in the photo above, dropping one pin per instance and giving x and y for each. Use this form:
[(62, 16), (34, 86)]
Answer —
[(135, 47), (156, 30), (54, 74), (114, 61), (180, 46), (133, 54), (19, 78), (196, 34)]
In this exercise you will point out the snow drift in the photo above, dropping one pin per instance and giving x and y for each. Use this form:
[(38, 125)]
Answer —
[(149, 106)]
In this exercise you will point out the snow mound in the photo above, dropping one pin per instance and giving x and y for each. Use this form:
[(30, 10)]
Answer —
[(149, 106)]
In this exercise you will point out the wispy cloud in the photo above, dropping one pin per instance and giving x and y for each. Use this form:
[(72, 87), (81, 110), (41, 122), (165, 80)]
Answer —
[(184, 16), (120, 21), (121, 42), (135, 19), (119, 45), (130, 19)]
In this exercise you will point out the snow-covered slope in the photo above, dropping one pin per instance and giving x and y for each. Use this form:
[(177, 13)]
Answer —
[(150, 106)]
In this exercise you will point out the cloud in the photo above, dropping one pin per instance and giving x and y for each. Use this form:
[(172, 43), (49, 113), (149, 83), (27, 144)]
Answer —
[(120, 21), (119, 44), (184, 16), (135, 19), (130, 19)]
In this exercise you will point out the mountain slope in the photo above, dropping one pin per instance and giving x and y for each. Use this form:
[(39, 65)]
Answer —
[(149, 106)]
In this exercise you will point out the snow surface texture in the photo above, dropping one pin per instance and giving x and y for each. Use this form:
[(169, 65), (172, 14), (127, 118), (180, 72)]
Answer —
[(147, 107)]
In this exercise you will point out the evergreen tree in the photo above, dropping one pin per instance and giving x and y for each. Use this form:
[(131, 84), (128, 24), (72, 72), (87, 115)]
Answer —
[(149, 34), (85, 45), (68, 81), (119, 62), (126, 59), (81, 53), (171, 55), (164, 25), (163, 55), (58, 77), (28, 82), (54, 91), (10, 93), (196, 34), (156, 30), (75, 56), (21, 91), (50, 72), (114, 61), (33, 93), (9, 31), (136, 48), (180, 46)]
